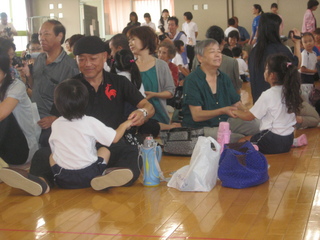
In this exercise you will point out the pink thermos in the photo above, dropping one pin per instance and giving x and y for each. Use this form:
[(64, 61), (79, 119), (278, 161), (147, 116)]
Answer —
[(224, 133)]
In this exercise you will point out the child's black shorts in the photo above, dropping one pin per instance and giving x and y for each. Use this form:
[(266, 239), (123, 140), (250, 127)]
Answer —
[(271, 143)]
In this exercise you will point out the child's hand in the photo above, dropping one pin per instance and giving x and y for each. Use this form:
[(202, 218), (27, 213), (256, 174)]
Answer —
[(128, 124), (236, 113), (229, 111)]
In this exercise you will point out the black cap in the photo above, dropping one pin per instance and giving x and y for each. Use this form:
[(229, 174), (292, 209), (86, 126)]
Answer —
[(90, 45)]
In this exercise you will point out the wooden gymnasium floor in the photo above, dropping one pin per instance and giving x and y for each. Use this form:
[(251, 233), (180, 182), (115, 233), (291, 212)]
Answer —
[(286, 207)]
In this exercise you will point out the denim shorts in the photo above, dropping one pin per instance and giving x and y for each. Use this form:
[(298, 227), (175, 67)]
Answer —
[(79, 178)]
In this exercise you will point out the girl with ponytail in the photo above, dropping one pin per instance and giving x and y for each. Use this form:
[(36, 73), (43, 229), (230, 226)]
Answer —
[(125, 65), (277, 107), (163, 22)]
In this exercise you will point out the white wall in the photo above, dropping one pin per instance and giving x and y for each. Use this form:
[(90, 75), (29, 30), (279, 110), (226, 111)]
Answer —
[(292, 12), (70, 10)]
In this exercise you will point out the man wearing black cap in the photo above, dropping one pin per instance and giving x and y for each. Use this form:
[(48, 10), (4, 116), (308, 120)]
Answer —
[(108, 92), (107, 96)]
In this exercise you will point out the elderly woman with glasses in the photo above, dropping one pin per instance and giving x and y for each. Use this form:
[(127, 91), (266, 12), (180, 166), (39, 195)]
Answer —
[(210, 98)]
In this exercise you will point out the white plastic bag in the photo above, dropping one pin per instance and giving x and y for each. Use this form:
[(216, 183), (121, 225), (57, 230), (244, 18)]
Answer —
[(202, 173)]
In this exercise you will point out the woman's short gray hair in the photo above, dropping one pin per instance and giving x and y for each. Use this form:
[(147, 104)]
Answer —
[(199, 48)]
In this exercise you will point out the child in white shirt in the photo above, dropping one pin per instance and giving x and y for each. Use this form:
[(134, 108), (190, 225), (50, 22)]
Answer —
[(243, 66), (75, 160), (177, 60), (308, 59), (277, 108), (78, 158)]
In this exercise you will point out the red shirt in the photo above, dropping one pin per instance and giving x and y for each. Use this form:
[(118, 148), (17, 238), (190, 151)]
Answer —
[(175, 73)]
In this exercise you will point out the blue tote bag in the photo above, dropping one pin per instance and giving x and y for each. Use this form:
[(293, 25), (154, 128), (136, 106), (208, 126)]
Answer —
[(242, 166)]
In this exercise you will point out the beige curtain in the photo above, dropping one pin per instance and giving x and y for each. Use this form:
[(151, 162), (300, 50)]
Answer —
[(116, 15), (153, 7)]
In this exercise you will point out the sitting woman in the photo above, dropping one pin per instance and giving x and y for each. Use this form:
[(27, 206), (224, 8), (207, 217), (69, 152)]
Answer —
[(18, 130), (308, 117), (155, 73), (9, 48), (133, 20), (232, 42), (210, 98)]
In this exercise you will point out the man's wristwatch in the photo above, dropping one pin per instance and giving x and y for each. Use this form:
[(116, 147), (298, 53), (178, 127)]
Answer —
[(145, 112)]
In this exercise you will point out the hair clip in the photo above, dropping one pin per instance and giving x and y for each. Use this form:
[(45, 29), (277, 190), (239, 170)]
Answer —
[(289, 64), (132, 60)]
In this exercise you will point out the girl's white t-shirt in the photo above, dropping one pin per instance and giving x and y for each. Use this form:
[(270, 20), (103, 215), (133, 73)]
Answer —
[(128, 75), (272, 112)]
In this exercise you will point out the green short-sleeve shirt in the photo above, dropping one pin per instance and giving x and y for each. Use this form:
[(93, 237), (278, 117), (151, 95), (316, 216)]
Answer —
[(197, 92)]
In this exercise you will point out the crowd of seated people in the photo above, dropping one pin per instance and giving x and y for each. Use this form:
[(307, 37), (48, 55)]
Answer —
[(132, 77)]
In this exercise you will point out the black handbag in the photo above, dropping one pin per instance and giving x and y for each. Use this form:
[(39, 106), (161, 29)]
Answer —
[(180, 141)]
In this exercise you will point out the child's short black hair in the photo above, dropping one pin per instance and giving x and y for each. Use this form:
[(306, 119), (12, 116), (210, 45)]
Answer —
[(234, 34), (71, 99), (236, 51), (188, 15), (308, 34), (178, 44), (231, 21)]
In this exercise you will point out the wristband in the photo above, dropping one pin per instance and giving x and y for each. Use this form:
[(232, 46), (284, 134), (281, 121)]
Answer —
[(145, 112)]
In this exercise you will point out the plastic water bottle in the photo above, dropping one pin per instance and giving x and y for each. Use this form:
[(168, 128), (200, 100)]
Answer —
[(223, 134), (151, 155), (148, 142)]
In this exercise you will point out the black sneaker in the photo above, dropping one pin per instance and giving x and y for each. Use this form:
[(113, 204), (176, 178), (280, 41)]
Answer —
[(113, 177), (21, 179)]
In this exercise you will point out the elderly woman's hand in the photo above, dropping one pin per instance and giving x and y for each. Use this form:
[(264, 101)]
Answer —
[(229, 111)]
